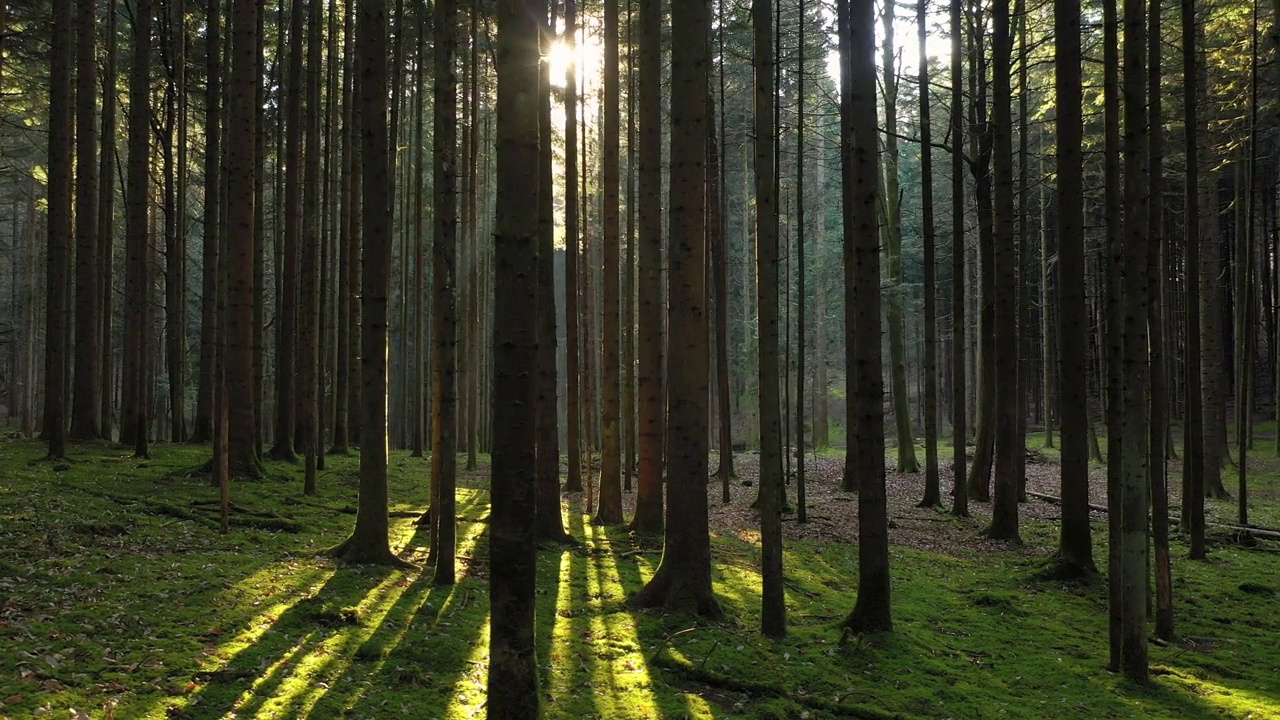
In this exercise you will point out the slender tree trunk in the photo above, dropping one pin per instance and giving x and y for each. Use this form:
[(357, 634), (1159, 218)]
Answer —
[(959, 416), (444, 262), (572, 234), (649, 516), (287, 315), (137, 230), (549, 521), (61, 54), (307, 358), (609, 511), (242, 174), (1114, 313), (683, 578), (513, 676), (719, 280), (774, 611), (862, 275), (1193, 440), (1137, 422), (369, 542), (88, 324), (1004, 511), (629, 419), (106, 226), (1075, 545), (932, 482), (346, 271), (1159, 478), (891, 205), (202, 429)]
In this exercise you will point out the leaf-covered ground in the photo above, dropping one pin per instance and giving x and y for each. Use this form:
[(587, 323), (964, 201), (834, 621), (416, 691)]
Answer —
[(119, 599)]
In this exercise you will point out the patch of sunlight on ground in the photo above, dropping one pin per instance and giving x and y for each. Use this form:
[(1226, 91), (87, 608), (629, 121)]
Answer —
[(251, 587), (1231, 701)]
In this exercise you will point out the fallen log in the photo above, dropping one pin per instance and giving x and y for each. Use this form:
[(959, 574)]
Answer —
[(1253, 532)]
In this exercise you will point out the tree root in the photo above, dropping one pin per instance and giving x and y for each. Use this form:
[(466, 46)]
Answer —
[(355, 553), (698, 674)]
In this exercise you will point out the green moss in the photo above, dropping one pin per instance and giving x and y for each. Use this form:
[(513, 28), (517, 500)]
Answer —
[(170, 619)]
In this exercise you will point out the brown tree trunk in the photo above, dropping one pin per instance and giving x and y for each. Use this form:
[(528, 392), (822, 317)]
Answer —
[(856, 30), (683, 578), (649, 515), (202, 429), (106, 228), (549, 519), (1194, 442), (932, 482), (88, 322), (61, 55), (444, 262), (137, 231), (773, 610), (307, 358), (609, 510), (513, 670), (346, 272), (1075, 545)]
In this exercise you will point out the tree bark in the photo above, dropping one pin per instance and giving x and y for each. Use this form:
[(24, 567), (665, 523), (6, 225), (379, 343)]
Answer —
[(573, 481), (773, 610), (513, 670), (959, 415), (862, 272), (683, 578), (58, 259), (88, 351), (649, 515), (609, 510), (932, 482)]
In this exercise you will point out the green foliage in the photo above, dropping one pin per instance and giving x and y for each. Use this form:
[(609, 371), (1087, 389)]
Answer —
[(169, 619)]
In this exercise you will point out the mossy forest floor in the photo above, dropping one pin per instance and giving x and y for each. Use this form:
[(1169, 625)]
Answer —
[(119, 599)]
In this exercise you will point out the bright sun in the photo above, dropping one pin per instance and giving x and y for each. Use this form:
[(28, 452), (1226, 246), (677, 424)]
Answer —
[(586, 57)]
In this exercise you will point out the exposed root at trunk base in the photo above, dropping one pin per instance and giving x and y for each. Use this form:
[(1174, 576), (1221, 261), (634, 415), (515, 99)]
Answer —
[(665, 590), (357, 553), (1060, 569)]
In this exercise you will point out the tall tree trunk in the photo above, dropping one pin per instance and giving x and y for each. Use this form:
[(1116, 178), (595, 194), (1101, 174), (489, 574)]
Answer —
[(61, 54), (649, 516), (801, 510), (609, 510), (959, 416), (1004, 511), (718, 257), (307, 358), (369, 542), (932, 482), (513, 677), (444, 262), (346, 268), (88, 324), (287, 315), (242, 174), (1193, 439), (683, 578), (1075, 545), (137, 231), (774, 610), (573, 432), (1114, 343), (1137, 422), (550, 520), (202, 428), (175, 279), (984, 343), (891, 205), (856, 31), (1159, 478), (629, 419), (106, 226)]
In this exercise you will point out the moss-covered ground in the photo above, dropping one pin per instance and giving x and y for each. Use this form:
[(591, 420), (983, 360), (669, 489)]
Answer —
[(119, 599)]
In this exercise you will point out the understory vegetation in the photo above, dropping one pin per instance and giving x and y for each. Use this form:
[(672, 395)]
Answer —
[(118, 599)]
